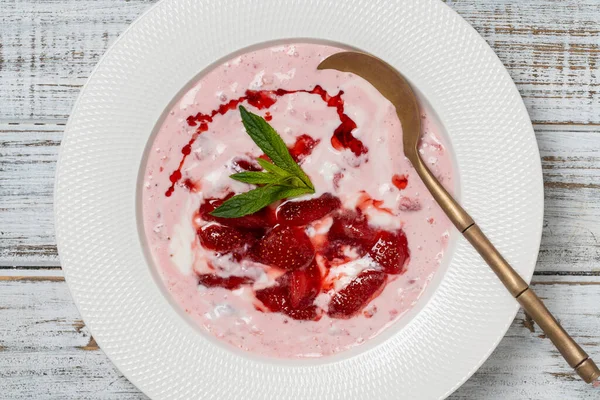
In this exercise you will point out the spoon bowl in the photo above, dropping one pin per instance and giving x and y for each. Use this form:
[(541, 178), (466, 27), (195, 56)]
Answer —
[(391, 84)]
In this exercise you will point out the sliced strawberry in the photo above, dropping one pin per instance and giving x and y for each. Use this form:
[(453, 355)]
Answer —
[(260, 98), (232, 282), (309, 313), (303, 147), (305, 285), (400, 181), (259, 220), (334, 249), (277, 299), (285, 247), (357, 294), (337, 250), (222, 238), (210, 205), (390, 251), (352, 227), (307, 211)]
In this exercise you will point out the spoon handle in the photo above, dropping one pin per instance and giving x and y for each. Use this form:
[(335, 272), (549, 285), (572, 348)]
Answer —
[(518, 288)]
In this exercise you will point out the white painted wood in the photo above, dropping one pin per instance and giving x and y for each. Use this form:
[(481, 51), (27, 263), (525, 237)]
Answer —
[(571, 165), (46, 351), (551, 48), (48, 49), (28, 155)]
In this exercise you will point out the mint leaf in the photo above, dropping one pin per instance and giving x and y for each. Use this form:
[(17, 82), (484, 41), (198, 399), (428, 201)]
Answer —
[(267, 166), (294, 192), (257, 178), (271, 144), (248, 202), (255, 200), (287, 178), (268, 140), (283, 177)]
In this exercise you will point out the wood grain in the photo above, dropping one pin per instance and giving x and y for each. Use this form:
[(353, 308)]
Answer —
[(551, 49), (48, 48), (28, 154), (47, 352), (571, 167), (570, 160)]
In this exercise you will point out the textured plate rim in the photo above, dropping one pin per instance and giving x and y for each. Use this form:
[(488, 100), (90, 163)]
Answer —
[(527, 272)]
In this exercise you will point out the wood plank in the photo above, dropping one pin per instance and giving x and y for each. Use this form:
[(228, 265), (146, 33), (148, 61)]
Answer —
[(571, 165), (49, 49), (550, 47), (47, 352), (28, 154), (526, 365), (45, 349)]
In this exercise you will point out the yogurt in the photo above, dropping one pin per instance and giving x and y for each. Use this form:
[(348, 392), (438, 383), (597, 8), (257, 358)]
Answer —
[(199, 145)]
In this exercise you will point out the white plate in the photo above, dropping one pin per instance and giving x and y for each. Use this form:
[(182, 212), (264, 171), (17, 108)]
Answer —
[(97, 178)]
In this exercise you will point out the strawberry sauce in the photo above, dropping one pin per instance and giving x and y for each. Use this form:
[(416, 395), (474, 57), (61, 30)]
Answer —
[(263, 99), (314, 275)]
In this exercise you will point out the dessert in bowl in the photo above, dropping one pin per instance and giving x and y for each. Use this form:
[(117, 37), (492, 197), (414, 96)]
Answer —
[(310, 274)]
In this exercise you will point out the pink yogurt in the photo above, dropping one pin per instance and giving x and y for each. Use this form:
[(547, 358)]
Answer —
[(170, 226)]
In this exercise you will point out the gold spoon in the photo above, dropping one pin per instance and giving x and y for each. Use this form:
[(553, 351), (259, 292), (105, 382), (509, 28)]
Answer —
[(396, 89)]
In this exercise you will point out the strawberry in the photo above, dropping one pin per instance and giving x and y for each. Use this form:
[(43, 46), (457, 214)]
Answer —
[(259, 220), (333, 250), (232, 282), (357, 294), (277, 299), (307, 211), (303, 146), (285, 247), (390, 251), (309, 313), (305, 285), (400, 181), (222, 239), (352, 227)]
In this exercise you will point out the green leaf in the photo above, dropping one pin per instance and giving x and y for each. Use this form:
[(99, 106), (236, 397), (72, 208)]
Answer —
[(294, 192), (305, 179), (248, 202), (267, 166), (255, 200), (257, 178), (272, 145), (268, 140), (287, 178), (284, 178)]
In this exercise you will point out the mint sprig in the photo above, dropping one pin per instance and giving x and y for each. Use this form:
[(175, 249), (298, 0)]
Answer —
[(282, 179)]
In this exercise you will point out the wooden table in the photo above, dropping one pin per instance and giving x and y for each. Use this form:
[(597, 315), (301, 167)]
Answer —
[(48, 49)]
